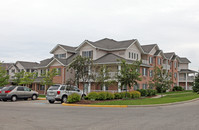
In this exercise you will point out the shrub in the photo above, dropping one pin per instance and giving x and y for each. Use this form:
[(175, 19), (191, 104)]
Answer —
[(125, 95), (158, 88), (86, 98), (135, 94), (109, 95), (93, 96), (117, 96), (154, 92), (177, 88), (102, 96), (143, 92), (74, 97)]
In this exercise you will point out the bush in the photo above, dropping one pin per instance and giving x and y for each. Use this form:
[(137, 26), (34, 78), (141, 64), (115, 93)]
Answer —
[(125, 95), (93, 96), (109, 95), (74, 97), (151, 92), (86, 98), (135, 94), (158, 88), (143, 92), (117, 96), (102, 96), (177, 88)]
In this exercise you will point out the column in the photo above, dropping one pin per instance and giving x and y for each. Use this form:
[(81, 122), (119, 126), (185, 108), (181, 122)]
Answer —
[(104, 87), (119, 84), (186, 82), (89, 82)]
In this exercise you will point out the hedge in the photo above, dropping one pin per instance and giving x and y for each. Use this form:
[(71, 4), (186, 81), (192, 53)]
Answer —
[(74, 97)]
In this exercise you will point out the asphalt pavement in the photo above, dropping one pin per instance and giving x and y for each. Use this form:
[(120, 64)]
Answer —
[(40, 115)]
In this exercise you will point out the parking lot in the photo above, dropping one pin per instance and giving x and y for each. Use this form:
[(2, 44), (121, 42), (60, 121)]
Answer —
[(39, 114)]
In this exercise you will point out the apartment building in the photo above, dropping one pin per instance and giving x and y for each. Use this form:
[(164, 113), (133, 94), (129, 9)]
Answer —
[(107, 52)]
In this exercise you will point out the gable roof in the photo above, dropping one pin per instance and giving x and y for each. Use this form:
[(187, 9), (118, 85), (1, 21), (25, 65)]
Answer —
[(169, 55), (6, 65), (64, 47), (109, 44), (184, 60), (44, 63), (28, 65), (111, 58), (148, 48)]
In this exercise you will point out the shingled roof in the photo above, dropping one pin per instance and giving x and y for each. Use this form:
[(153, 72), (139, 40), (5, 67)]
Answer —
[(110, 44), (148, 48), (68, 48), (6, 65), (169, 55), (28, 65), (184, 60)]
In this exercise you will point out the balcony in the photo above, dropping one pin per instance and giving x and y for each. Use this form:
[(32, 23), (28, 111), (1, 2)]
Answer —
[(166, 67), (189, 79), (145, 62), (111, 74)]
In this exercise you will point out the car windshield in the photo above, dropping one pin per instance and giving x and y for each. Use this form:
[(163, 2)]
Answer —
[(8, 88), (54, 87)]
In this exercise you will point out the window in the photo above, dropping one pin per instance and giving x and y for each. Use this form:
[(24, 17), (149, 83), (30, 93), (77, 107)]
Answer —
[(13, 70), (136, 86), (59, 71), (159, 61), (175, 64), (144, 86), (137, 56), (144, 72), (37, 86), (42, 87), (88, 54), (28, 70), (26, 89), (151, 86), (175, 75), (20, 89), (61, 56), (132, 55), (129, 54), (150, 60), (151, 73), (62, 88)]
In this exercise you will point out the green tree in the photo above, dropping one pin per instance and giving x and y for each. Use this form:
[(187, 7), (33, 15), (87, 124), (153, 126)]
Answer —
[(4, 77), (103, 78), (129, 74), (82, 66), (47, 79), (17, 77), (28, 78), (196, 84), (161, 79)]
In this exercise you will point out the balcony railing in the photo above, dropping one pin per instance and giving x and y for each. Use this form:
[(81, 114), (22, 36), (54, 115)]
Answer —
[(189, 79), (145, 62), (166, 66), (111, 74)]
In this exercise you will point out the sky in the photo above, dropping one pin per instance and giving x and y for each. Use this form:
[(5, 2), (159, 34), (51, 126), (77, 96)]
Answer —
[(30, 29)]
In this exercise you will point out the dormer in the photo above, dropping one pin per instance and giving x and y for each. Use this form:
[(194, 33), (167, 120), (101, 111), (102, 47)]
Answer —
[(62, 51)]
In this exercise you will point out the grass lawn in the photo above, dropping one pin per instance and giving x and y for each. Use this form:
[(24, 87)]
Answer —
[(149, 101), (42, 96), (177, 92)]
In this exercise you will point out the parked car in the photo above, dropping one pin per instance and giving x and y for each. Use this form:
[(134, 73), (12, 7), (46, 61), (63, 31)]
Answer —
[(1, 88), (17, 92), (61, 93)]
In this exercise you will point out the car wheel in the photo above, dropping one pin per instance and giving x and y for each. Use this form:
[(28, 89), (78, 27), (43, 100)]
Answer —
[(34, 97), (5, 100), (64, 99), (14, 98), (51, 102)]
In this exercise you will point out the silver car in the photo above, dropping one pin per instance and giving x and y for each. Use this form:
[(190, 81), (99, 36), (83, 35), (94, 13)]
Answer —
[(17, 92), (61, 92)]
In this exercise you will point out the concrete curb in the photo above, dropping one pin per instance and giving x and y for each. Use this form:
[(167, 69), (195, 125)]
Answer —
[(125, 106), (41, 98), (85, 105)]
